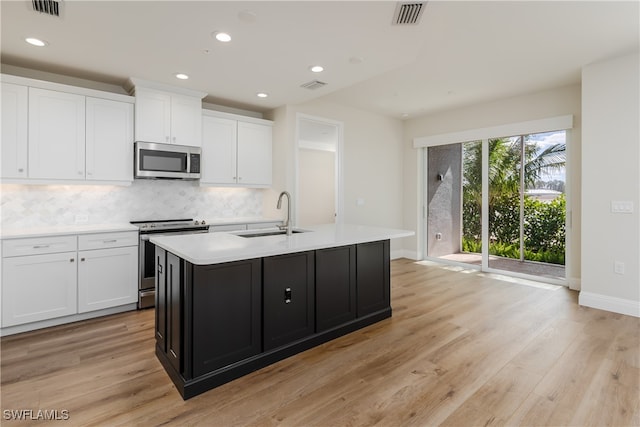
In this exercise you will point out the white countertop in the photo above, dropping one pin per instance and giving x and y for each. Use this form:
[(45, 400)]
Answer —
[(62, 230), (215, 248)]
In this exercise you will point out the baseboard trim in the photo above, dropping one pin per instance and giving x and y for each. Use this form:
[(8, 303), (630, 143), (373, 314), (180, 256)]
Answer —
[(404, 253), (27, 327), (608, 303)]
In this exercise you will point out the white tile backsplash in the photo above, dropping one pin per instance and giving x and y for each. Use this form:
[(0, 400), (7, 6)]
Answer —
[(25, 206)]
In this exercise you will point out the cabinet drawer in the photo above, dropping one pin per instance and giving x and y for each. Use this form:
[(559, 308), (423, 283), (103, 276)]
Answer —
[(38, 246), (107, 240)]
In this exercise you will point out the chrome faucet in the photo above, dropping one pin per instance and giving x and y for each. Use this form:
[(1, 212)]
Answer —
[(286, 225)]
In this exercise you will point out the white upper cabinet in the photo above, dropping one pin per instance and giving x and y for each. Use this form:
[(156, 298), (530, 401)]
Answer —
[(186, 120), (167, 115), (109, 140), (218, 164), (56, 135), (236, 151), (14, 130), (254, 154)]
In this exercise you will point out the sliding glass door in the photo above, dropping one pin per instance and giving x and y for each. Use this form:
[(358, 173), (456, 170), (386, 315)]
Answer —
[(499, 203)]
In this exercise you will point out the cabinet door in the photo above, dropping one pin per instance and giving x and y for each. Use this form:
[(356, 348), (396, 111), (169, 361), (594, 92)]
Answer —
[(107, 278), (227, 314), (38, 287), (373, 280), (109, 140), (161, 298), (14, 130), (56, 135), (288, 291), (153, 116), (218, 164), (335, 286), (254, 154), (186, 120)]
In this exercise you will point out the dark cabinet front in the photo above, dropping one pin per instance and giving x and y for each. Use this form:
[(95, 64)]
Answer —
[(161, 298), (218, 322), (335, 286), (288, 292), (169, 311), (174, 311), (373, 279), (227, 314)]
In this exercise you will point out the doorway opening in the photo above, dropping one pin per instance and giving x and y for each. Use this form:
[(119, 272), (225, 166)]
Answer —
[(318, 197)]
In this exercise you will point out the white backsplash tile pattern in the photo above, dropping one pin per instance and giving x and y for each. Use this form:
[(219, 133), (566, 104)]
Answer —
[(25, 206)]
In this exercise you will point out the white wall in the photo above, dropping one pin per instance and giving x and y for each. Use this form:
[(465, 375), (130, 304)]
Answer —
[(610, 159), (540, 105), (372, 162)]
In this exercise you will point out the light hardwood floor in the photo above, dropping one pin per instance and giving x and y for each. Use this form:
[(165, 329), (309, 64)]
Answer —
[(462, 349)]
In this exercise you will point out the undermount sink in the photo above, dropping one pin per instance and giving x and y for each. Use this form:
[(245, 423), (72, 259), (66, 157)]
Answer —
[(269, 233)]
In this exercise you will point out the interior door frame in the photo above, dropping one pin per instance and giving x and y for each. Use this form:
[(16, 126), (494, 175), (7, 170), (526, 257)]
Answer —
[(339, 171)]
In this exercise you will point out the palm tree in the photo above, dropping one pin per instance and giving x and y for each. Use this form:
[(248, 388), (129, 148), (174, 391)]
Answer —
[(504, 182)]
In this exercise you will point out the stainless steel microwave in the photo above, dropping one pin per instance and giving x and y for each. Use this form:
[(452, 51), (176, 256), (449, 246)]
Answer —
[(168, 161)]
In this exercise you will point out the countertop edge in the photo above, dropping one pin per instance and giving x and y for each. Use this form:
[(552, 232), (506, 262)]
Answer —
[(321, 238)]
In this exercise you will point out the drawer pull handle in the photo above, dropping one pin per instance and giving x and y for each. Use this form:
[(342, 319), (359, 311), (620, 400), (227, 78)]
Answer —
[(110, 241), (40, 246), (287, 295), (71, 260), (81, 259)]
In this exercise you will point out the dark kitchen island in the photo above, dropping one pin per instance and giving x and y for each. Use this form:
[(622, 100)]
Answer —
[(227, 305)]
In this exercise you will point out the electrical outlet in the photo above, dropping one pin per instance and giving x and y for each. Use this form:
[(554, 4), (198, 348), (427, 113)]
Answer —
[(82, 218), (618, 267)]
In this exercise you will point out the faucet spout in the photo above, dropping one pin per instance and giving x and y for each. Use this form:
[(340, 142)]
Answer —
[(287, 223)]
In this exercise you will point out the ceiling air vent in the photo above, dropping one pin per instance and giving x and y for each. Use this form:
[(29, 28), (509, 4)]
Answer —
[(408, 13), (313, 84), (48, 7)]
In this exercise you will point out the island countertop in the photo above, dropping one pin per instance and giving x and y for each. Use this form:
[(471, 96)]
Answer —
[(216, 248)]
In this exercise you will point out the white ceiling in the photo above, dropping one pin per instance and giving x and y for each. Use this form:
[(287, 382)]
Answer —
[(460, 53)]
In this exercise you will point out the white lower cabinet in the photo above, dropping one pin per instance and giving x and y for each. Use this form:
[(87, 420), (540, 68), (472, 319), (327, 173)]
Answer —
[(38, 287), (107, 278), (45, 278)]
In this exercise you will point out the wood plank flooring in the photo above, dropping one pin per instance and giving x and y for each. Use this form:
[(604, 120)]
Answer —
[(462, 349)]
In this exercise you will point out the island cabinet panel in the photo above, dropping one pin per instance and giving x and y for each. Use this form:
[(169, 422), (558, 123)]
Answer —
[(373, 279), (174, 311), (227, 314), (288, 289), (161, 299), (335, 286)]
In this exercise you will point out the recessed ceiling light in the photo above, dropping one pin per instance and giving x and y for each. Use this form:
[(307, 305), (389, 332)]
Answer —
[(222, 37), (35, 42), (262, 95), (316, 68), (182, 76)]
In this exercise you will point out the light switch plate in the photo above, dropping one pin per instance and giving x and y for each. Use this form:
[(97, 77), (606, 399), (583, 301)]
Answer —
[(621, 206)]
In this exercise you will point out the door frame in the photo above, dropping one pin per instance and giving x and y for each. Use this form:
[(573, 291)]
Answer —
[(339, 171)]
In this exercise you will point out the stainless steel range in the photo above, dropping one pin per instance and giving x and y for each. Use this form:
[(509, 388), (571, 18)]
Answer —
[(147, 262)]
